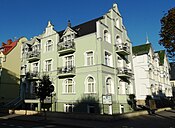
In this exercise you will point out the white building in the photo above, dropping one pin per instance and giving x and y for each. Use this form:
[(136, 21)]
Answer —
[(151, 71)]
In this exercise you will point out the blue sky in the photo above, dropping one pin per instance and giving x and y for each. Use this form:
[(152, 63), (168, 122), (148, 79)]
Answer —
[(29, 17)]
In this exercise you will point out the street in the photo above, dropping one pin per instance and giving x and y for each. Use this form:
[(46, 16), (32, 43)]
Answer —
[(164, 119), (10, 123)]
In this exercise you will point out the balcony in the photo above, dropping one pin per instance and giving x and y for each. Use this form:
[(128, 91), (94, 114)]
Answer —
[(124, 72), (32, 76), (66, 47), (122, 49), (66, 71), (33, 56)]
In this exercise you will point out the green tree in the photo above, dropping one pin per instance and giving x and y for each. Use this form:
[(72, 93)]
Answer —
[(45, 88), (132, 101), (167, 33)]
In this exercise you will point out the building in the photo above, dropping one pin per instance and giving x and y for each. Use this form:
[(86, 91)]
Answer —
[(151, 71), (90, 66), (172, 77), (10, 70)]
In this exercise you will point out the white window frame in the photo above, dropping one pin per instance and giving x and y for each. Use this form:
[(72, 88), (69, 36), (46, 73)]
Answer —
[(121, 88), (92, 85), (66, 86), (118, 40), (67, 106), (35, 68), (117, 22), (46, 65), (90, 58), (108, 59), (66, 61), (109, 86), (49, 44), (106, 36)]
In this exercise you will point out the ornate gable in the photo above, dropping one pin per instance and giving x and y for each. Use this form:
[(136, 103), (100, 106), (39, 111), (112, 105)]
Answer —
[(49, 30), (68, 31)]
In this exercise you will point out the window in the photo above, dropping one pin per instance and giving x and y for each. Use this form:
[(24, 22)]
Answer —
[(121, 87), (68, 86), (69, 38), (108, 59), (48, 64), (106, 36), (89, 58), (35, 67), (109, 86), (68, 107), (69, 61), (117, 22), (90, 85), (49, 45), (118, 40)]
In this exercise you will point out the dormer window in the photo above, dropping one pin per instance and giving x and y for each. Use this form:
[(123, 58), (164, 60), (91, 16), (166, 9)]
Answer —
[(69, 38)]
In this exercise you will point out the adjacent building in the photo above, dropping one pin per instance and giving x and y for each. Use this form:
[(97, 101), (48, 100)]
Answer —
[(10, 70), (151, 71), (172, 77), (90, 66)]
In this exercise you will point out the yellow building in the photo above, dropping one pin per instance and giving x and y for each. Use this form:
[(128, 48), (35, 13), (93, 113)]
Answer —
[(10, 70)]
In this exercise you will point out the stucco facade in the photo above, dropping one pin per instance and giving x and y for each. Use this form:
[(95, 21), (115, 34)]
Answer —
[(151, 71), (10, 64), (92, 60)]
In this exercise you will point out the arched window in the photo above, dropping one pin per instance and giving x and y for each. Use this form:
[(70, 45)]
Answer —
[(121, 87), (118, 40), (106, 36), (109, 86), (49, 45), (90, 85), (117, 23), (68, 86)]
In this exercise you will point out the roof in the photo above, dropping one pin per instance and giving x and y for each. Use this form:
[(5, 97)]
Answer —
[(161, 54), (141, 49), (9, 46), (84, 28), (172, 71)]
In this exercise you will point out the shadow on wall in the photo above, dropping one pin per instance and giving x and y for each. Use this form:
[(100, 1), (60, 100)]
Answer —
[(88, 104), (9, 86)]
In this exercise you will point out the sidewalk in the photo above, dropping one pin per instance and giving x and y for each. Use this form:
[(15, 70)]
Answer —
[(78, 123)]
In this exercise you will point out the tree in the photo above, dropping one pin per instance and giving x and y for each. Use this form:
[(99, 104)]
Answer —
[(167, 33), (132, 101), (45, 88)]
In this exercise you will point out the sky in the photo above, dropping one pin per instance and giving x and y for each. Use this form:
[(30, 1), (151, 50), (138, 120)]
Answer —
[(29, 17)]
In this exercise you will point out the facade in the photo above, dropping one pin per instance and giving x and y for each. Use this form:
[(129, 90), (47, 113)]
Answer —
[(172, 77), (10, 70), (151, 71), (90, 66)]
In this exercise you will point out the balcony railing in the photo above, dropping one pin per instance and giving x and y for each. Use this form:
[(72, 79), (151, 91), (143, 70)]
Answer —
[(66, 71), (32, 75), (66, 47), (122, 49), (124, 72), (33, 56)]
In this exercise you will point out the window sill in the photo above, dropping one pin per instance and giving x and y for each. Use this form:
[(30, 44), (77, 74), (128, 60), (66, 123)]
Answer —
[(68, 93)]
